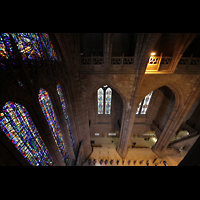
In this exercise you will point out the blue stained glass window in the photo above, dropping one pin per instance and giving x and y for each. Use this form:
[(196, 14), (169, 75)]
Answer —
[(6, 51), (143, 106), (19, 128), (64, 107), (146, 103), (44, 38), (100, 95), (108, 101), (48, 110), (138, 109), (28, 45), (32, 46)]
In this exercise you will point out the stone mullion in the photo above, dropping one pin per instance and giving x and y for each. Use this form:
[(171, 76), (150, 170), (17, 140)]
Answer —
[(143, 49)]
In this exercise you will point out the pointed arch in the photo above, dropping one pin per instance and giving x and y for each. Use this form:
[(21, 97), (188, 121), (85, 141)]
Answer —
[(93, 89), (20, 129), (64, 108), (49, 113)]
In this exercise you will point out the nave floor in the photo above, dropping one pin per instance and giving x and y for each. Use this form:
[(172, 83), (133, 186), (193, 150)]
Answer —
[(140, 153)]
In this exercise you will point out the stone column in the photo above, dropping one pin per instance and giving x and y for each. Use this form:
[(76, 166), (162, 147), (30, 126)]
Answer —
[(144, 46)]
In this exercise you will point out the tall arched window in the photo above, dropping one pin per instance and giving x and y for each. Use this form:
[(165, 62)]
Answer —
[(142, 108), (108, 101), (101, 96), (64, 108), (19, 128), (47, 108)]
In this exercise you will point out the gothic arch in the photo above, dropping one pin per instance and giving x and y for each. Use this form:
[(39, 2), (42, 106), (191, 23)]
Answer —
[(40, 123), (93, 92), (178, 93), (97, 86)]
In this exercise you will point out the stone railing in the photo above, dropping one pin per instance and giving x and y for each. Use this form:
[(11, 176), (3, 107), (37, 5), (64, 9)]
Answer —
[(189, 61), (91, 60), (166, 60), (188, 65), (155, 64), (122, 60)]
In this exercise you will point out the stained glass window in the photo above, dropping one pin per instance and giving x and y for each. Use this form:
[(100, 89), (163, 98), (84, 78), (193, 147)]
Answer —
[(35, 46), (145, 104), (44, 38), (100, 94), (47, 108), (19, 128), (138, 109), (64, 107), (108, 101), (6, 51)]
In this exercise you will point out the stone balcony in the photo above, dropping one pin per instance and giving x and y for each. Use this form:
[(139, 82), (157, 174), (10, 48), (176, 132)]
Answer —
[(156, 65)]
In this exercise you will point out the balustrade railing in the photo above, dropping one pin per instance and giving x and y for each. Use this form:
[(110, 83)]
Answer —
[(114, 60), (91, 60), (166, 60), (189, 61), (155, 63), (122, 60)]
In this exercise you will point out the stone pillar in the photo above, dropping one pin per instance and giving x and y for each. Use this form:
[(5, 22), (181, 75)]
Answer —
[(126, 129), (144, 46)]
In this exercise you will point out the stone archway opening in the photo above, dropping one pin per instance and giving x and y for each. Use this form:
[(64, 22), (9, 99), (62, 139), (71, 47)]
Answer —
[(148, 125)]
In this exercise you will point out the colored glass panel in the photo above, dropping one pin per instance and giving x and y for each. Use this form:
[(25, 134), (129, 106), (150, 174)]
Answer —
[(49, 113), (6, 51), (108, 101), (146, 103), (44, 38), (28, 45), (138, 109), (34, 46), (100, 94), (64, 108), (19, 128)]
